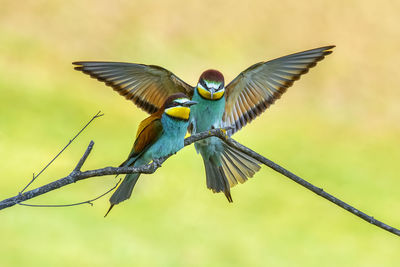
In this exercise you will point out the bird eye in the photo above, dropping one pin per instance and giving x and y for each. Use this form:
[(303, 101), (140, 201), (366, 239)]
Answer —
[(203, 84)]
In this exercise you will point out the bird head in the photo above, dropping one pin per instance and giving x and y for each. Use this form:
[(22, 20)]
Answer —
[(211, 85), (177, 106)]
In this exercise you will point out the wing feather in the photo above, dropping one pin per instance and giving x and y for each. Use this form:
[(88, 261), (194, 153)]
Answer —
[(148, 86), (148, 133), (260, 85)]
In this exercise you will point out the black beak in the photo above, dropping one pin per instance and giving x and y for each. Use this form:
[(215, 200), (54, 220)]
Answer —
[(189, 103), (212, 91)]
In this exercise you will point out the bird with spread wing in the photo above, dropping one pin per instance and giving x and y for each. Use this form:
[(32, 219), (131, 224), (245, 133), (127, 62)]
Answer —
[(233, 105)]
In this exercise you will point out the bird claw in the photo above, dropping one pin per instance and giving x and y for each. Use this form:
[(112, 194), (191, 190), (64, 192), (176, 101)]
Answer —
[(225, 132)]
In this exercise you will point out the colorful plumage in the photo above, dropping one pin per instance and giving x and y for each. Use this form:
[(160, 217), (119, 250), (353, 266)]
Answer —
[(224, 165), (159, 135), (234, 105)]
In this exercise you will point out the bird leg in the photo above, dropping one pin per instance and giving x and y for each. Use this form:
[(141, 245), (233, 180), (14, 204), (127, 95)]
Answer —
[(225, 131)]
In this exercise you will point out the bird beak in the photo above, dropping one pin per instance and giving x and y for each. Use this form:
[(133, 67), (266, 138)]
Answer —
[(212, 91), (189, 103)]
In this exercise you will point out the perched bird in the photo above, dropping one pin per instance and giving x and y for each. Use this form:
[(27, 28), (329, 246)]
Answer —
[(225, 166), (233, 105), (159, 135)]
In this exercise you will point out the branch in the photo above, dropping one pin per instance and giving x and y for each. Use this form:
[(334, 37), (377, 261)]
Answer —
[(34, 177), (77, 175), (304, 183)]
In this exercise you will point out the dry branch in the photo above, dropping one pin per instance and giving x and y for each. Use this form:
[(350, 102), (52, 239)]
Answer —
[(77, 175)]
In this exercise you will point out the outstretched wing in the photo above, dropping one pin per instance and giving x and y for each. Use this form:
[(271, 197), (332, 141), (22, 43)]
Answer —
[(148, 86), (256, 88)]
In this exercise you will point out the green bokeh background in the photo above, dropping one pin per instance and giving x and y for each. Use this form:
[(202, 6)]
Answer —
[(338, 127)]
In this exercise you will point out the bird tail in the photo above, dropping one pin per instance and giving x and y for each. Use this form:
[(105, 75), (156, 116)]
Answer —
[(217, 181), (227, 167), (124, 190)]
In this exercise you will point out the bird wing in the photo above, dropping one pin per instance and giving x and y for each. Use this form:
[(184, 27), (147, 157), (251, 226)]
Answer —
[(256, 88), (146, 85), (149, 131)]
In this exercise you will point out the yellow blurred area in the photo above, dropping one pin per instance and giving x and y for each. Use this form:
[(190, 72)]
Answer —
[(338, 127)]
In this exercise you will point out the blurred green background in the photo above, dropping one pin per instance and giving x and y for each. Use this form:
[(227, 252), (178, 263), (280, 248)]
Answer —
[(338, 127)]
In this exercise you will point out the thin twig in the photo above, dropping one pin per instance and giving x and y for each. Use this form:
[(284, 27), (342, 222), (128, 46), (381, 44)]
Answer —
[(90, 201), (77, 169), (77, 175), (150, 168), (98, 114)]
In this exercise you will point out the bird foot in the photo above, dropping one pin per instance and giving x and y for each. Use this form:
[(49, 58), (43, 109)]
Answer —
[(225, 133)]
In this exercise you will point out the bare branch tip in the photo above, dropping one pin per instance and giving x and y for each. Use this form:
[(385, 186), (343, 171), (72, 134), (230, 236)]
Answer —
[(84, 158), (99, 114)]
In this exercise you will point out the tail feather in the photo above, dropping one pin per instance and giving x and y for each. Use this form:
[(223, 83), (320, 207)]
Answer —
[(234, 174), (229, 173), (227, 167), (243, 164), (237, 173), (216, 178), (108, 211), (124, 190)]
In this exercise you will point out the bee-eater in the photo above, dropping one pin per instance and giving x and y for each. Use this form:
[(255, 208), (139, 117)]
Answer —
[(233, 105), (159, 135)]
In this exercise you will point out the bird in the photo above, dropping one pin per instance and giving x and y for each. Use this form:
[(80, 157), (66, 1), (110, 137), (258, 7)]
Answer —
[(159, 135), (232, 106)]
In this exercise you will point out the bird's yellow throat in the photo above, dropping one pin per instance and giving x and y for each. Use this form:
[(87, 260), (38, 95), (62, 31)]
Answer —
[(178, 112), (206, 94)]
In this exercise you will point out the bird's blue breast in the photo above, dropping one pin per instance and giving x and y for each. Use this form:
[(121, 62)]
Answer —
[(206, 114), (171, 140)]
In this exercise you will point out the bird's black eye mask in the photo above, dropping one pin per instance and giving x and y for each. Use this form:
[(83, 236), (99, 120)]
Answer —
[(203, 83), (172, 104)]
